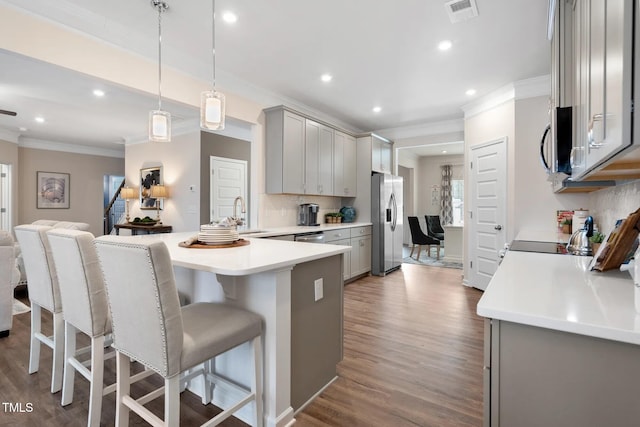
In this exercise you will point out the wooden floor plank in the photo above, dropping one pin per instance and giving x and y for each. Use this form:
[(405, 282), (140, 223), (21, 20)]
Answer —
[(412, 357)]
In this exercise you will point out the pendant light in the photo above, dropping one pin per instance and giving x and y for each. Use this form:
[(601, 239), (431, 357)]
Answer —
[(212, 102), (159, 121)]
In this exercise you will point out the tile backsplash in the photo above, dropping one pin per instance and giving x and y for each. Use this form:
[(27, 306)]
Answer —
[(281, 210), (608, 205)]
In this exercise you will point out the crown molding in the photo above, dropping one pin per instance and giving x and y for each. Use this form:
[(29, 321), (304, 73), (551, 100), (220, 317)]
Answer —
[(522, 89), (423, 129), (41, 144), (9, 136)]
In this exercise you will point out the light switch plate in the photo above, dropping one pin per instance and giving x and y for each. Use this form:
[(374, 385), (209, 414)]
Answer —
[(319, 291)]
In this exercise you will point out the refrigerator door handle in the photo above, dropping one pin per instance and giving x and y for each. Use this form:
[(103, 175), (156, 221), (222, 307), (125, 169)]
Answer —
[(394, 208)]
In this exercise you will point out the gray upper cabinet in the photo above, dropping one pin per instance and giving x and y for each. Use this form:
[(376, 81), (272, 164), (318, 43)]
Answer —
[(344, 165), (305, 156), (285, 133), (318, 159), (380, 155), (603, 93)]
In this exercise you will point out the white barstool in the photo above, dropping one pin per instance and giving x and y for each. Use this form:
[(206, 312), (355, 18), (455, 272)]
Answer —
[(149, 326), (43, 293), (85, 309)]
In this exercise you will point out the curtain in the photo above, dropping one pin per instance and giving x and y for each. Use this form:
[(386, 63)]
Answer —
[(446, 209)]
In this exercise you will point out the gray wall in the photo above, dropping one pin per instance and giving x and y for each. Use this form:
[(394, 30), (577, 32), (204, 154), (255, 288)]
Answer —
[(212, 144)]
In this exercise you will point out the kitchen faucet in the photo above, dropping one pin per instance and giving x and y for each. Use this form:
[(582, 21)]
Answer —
[(243, 210)]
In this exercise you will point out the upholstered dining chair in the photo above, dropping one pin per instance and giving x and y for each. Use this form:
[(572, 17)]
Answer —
[(85, 309), (149, 326), (420, 239), (44, 293), (434, 228)]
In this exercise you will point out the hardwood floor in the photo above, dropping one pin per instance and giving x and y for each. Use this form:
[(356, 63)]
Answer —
[(412, 357), (412, 354)]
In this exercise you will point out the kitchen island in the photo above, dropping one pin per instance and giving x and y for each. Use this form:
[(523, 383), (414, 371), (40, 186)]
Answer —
[(562, 344), (296, 288)]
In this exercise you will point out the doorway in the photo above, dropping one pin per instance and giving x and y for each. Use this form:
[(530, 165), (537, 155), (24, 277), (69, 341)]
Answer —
[(228, 181), (488, 213)]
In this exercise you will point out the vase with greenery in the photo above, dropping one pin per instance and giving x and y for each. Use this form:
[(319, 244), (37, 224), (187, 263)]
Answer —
[(566, 226)]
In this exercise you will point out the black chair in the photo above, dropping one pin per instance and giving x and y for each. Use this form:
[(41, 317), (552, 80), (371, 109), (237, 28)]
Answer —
[(434, 229), (421, 239)]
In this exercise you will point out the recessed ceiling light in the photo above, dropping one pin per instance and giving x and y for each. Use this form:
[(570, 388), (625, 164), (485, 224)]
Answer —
[(445, 45), (98, 93), (22, 129), (470, 92), (229, 17), (326, 78), (444, 151), (39, 119), (377, 109)]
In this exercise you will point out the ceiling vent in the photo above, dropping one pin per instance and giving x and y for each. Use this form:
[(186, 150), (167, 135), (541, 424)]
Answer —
[(461, 10)]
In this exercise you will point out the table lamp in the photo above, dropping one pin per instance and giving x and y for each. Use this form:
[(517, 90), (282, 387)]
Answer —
[(127, 194), (158, 192)]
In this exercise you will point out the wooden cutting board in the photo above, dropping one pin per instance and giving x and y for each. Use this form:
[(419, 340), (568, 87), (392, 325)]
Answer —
[(619, 243)]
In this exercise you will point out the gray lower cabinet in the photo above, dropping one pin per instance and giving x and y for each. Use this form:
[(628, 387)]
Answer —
[(358, 261), (538, 377)]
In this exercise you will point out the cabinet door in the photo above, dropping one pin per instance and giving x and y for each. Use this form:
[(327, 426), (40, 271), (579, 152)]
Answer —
[(346, 257), (293, 156), (349, 166), (360, 255), (344, 165), (580, 90), (380, 155), (318, 159), (611, 50)]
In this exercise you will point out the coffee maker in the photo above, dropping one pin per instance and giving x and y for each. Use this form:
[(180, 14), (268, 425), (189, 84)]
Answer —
[(308, 214)]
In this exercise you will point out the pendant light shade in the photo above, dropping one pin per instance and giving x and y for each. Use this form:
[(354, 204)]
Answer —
[(159, 121), (212, 102), (212, 110), (159, 126)]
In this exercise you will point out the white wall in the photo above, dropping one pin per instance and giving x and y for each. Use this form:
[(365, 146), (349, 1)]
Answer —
[(431, 175), (180, 161)]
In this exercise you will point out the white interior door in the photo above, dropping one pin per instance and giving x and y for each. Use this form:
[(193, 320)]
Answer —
[(5, 197), (228, 181), (488, 213)]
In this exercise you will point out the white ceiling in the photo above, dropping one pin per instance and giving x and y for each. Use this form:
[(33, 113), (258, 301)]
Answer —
[(379, 52)]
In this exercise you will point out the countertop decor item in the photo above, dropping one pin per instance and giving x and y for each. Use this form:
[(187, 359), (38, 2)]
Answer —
[(349, 213)]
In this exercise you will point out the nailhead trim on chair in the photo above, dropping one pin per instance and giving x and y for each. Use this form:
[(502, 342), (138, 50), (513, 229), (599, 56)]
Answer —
[(157, 295)]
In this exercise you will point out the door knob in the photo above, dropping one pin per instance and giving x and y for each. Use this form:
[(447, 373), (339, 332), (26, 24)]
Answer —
[(498, 227)]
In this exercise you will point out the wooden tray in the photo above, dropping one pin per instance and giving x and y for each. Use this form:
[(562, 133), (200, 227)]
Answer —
[(198, 245)]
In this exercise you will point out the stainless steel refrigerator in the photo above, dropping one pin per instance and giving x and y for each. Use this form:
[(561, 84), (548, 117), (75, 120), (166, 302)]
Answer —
[(386, 216)]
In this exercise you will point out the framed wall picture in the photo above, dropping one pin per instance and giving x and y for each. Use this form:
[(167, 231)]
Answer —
[(148, 177), (53, 190)]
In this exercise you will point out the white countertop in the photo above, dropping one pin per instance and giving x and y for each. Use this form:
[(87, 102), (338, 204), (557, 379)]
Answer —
[(556, 292), (299, 229), (258, 256), (543, 236)]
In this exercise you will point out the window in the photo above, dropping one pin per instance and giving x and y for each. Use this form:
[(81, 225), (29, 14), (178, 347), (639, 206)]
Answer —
[(457, 200)]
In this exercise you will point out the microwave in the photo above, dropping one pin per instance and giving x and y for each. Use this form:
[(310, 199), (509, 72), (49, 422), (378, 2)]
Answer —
[(560, 134)]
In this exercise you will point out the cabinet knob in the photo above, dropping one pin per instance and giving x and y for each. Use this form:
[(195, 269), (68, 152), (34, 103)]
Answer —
[(361, 243)]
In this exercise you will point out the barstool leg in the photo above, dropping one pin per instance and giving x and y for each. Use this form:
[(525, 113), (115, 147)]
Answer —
[(256, 385), (97, 377), (58, 353), (172, 401), (36, 328), (123, 388), (69, 370)]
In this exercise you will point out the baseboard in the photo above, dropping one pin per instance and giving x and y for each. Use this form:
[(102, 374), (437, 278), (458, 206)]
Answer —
[(305, 404)]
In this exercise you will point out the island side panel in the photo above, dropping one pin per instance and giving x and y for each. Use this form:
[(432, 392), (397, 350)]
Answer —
[(316, 327), (553, 378)]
